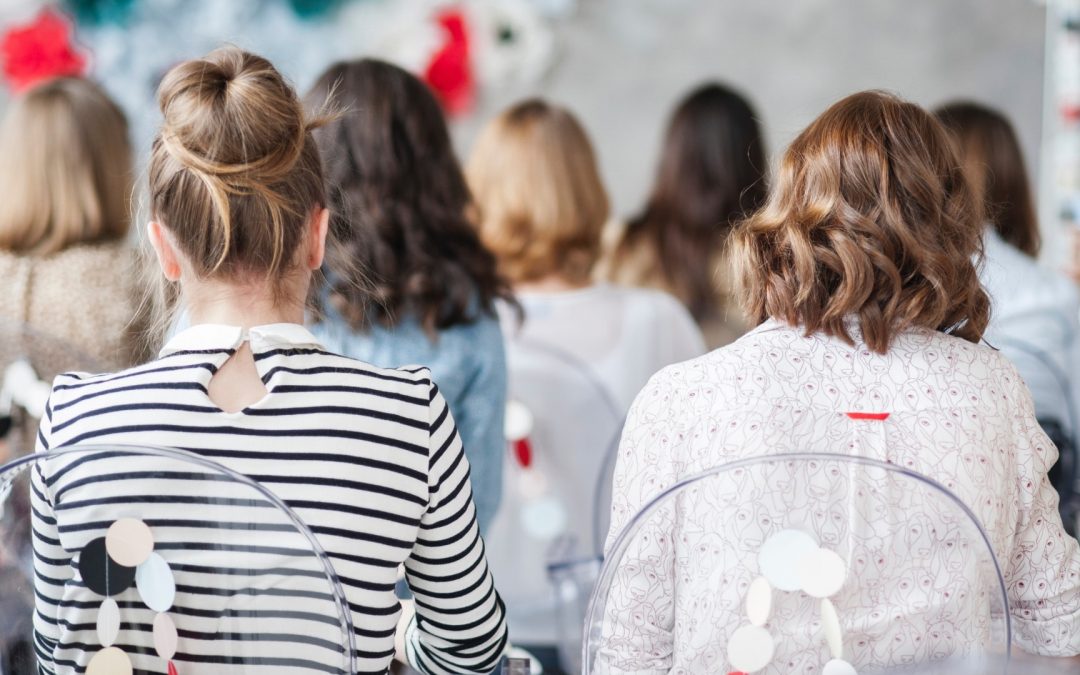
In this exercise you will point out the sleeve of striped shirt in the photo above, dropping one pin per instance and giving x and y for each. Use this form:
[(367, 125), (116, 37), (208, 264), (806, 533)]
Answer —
[(52, 564), (460, 623)]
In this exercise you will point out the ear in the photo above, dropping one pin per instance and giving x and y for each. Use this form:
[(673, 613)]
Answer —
[(320, 222), (166, 254)]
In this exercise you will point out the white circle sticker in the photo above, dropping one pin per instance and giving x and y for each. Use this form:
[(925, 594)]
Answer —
[(155, 582), (821, 573), (779, 557), (750, 649), (838, 667), (834, 634), (518, 422), (543, 518), (759, 601), (108, 622)]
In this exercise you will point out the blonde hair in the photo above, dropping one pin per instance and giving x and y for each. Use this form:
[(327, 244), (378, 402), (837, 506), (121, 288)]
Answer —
[(234, 171), (870, 217), (65, 170), (541, 203)]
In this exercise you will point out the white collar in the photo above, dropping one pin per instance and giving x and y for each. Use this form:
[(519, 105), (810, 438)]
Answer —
[(211, 336)]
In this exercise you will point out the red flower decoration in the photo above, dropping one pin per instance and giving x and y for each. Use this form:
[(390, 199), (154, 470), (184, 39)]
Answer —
[(449, 73), (39, 51)]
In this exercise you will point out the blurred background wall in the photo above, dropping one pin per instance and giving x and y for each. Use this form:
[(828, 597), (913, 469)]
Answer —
[(621, 64)]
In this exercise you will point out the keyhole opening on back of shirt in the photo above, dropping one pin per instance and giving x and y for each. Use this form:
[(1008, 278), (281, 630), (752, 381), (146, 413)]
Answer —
[(237, 384)]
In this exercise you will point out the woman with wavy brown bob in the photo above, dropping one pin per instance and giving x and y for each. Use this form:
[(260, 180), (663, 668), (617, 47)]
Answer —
[(862, 268)]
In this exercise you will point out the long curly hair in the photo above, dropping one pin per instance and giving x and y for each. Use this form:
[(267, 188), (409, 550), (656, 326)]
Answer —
[(870, 218), (399, 205), (990, 153)]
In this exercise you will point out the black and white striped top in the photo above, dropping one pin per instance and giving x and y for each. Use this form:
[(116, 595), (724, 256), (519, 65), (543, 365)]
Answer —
[(368, 458)]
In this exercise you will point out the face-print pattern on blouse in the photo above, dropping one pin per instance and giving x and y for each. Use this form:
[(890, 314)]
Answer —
[(958, 413)]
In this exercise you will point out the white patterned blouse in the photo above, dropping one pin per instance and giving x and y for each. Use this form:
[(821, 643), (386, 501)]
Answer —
[(958, 413)]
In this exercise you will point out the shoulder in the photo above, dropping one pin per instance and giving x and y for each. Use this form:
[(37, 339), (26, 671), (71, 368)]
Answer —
[(650, 301), (1016, 282)]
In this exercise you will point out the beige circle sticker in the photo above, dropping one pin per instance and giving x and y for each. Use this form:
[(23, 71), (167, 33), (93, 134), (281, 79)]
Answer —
[(109, 661), (129, 542)]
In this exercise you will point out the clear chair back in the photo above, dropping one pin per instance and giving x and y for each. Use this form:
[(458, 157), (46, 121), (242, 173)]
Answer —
[(807, 563), (234, 582), (544, 544)]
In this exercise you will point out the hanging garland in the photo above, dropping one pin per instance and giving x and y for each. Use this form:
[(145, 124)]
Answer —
[(40, 50)]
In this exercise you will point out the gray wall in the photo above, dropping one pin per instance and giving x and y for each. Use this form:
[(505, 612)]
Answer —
[(624, 63)]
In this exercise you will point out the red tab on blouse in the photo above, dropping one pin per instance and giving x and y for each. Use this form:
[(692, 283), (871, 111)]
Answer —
[(868, 416), (523, 452)]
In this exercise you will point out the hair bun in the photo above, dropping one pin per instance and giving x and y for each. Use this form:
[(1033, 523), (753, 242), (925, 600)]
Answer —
[(231, 115)]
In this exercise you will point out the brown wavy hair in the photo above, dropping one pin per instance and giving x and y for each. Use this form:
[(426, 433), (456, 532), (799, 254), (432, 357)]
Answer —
[(711, 175), (990, 153), (399, 205), (870, 218)]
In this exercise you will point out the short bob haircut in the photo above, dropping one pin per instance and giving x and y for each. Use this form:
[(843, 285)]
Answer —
[(540, 200), (990, 153), (66, 172), (870, 219)]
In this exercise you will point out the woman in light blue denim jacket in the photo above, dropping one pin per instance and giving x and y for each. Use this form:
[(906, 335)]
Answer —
[(428, 287)]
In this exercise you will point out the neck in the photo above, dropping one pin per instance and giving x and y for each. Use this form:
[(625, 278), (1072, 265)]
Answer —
[(244, 306), (553, 283)]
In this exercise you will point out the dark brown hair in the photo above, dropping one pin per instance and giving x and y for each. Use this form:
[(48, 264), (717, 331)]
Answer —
[(542, 205), (234, 172), (711, 174), (870, 218), (66, 169), (399, 202), (990, 153)]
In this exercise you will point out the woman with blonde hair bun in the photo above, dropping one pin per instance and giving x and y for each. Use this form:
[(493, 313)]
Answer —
[(862, 266), (369, 458)]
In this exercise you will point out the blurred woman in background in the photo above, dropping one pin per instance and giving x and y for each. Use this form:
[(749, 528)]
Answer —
[(399, 200), (1036, 312), (711, 173), (582, 352), (65, 191)]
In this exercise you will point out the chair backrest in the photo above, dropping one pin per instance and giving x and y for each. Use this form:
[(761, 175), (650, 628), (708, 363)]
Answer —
[(555, 504), (786, 563), (1056, 409), (167, 557), (48, 354), (29, 360)]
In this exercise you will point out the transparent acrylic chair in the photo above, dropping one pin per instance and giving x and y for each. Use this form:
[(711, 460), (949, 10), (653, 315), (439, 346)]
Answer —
[(1055, 406), (179, 563), (800, 563), (545, 544), (29, 360)]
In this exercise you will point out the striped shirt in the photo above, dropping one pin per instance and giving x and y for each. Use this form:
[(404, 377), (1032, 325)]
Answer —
[(368, 458)]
